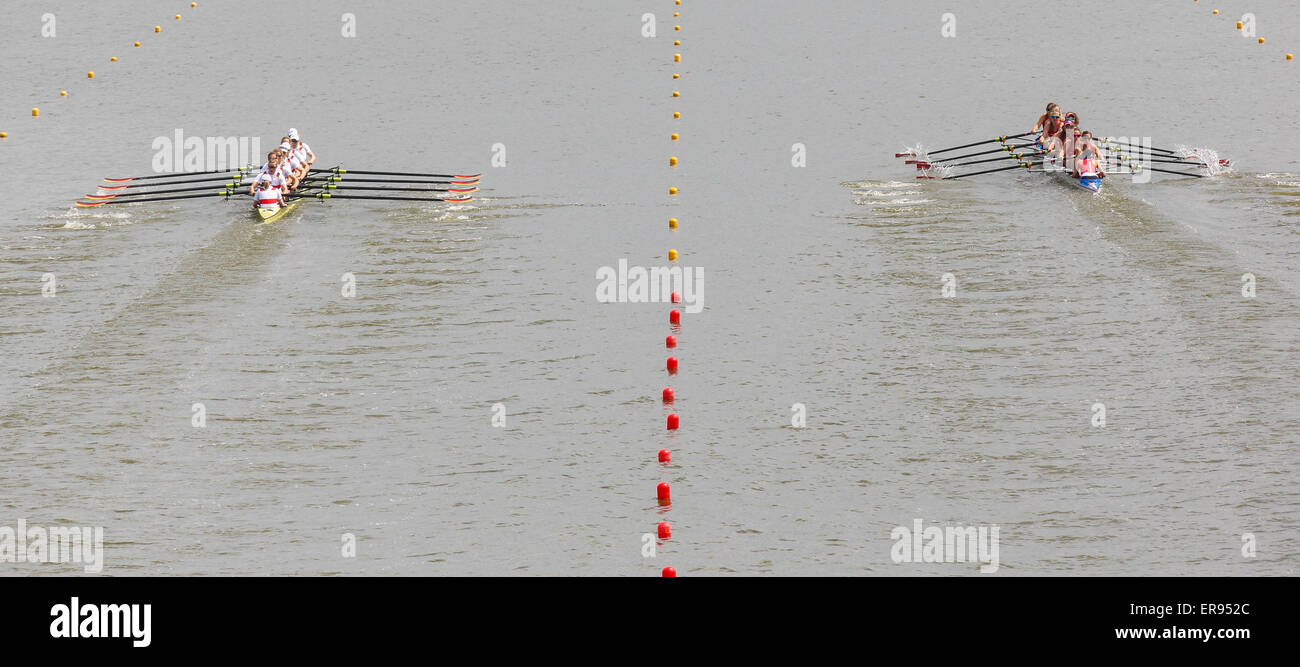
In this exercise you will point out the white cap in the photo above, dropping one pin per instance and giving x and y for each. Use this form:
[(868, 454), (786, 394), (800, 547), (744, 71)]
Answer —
[(286, 146), (293, 133)]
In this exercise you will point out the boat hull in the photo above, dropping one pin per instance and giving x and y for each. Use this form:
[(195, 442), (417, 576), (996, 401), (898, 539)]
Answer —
[(268, 216)]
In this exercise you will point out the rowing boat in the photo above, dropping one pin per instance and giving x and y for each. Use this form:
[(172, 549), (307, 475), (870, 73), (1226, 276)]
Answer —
[(269, 215), (1121, 156), (1092, 184)]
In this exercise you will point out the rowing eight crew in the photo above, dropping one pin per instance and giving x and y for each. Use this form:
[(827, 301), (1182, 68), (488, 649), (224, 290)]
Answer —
[(285, 168), (1062, 139)]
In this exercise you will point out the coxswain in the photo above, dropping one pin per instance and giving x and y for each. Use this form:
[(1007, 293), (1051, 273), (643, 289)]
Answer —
[(268, 192), (1087, 157)]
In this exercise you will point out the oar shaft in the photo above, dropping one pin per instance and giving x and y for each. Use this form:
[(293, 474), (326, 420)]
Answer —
[(340, 170), (223, 193), (980, 143), (1022, 165), (333, 196), (379, 180), (210, 179), (181, 174)]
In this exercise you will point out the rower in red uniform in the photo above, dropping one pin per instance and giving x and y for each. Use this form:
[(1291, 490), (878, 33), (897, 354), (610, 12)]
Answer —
[(1049, 123)]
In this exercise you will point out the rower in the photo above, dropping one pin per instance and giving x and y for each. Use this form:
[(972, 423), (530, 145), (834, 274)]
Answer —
[(269, 168), (1087, 162), (292, 165), (269, 192), (300, 149), (1049, 123)]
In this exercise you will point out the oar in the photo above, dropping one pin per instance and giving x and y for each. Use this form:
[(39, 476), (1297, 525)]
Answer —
[(340, 170), (1171, 171), (223, 193), (331, 186), (332, 179), (210, 179), (179, 175), (1004, 148), (149, 193), (1013, 156), (977, 143), (326, 195), (1022, 165)]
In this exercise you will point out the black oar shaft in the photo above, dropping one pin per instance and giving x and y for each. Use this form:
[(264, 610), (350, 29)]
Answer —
[(980, 143), (340, 170), (378, 180), (223, 193), (182, 174), (210, 179), (1022, 165), (333, 196)]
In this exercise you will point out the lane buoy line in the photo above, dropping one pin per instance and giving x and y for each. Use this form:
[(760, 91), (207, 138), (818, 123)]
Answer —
[(157, 29)]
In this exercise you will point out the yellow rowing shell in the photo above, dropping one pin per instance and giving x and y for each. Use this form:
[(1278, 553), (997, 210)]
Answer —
[(269, 217)]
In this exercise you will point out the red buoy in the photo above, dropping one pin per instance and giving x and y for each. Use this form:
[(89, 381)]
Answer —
[(672, 364), (673, 421), (665, 493), (677, 297), (675, 317), (671, 341), (669, 395), (670, 571), (665, 530), (665, 455)]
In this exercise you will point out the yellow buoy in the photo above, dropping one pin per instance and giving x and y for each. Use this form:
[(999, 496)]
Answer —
[(672, 191), (1239, 25), (676, 14), (677, 114), (4, 135), (676, 75), (677, 57), (677, 43), (1216, 12), (194, 4), (676, 94), (675, 137), (679, 2), (672, 255), (35, 112), (64, 93), (677, 27), (90, 75), (1261, 40), (137, 45), (672, 161), (178, 17), (672, 222), (157, 28), (114, 59), (1290, 56)]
